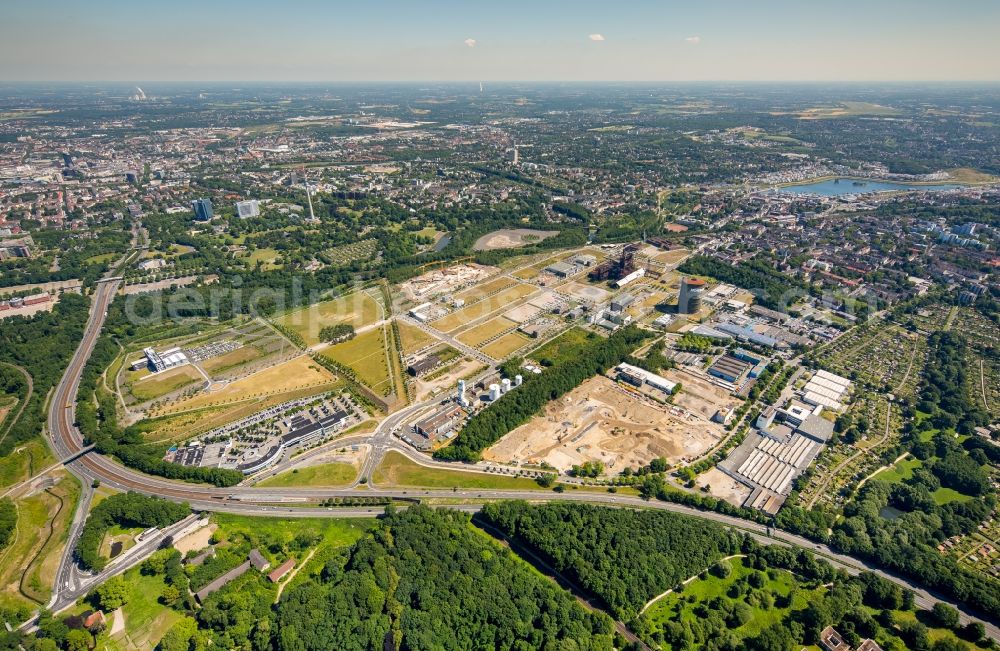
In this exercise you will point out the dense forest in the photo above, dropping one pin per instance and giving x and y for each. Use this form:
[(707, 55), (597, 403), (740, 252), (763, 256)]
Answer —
[(426, 580), (860, 607), (943, 392), (8, 521), (42, 345), (517, 407), (124, 510), (624, 557)]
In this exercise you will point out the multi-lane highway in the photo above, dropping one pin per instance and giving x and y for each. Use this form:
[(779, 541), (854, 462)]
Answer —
[(292, 502)]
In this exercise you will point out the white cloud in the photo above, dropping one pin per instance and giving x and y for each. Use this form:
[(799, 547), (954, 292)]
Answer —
[(470, 42), (596, 37), (693, 40)]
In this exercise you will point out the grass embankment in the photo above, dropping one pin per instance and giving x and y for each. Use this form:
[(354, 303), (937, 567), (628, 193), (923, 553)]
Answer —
[(28, 564), (325, 475), (397, 470), (151, 387), (24, 462)]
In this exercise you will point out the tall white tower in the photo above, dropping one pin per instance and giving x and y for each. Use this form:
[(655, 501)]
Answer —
[(305, 177)]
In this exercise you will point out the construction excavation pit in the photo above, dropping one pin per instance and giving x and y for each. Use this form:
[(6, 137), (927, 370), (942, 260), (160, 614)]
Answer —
[(603, 421)]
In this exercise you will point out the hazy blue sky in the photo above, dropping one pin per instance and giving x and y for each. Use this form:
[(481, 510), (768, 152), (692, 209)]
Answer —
[(499, 40)]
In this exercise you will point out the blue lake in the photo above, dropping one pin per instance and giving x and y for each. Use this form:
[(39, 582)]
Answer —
[(838, 187)]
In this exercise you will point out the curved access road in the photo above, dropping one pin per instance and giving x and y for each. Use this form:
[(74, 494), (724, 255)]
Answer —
[(295, 502)]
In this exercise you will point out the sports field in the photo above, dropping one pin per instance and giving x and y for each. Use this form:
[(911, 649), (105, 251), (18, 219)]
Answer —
[(357, 309)]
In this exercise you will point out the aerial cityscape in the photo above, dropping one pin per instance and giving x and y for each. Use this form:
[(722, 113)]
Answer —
[(582, 333)]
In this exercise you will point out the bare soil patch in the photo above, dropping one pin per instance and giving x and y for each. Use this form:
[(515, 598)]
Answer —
[(601, 421), (511, 238)]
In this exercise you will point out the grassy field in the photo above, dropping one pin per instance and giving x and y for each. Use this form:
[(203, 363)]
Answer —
[(412, 338), (100, 259), (151, 387), (485, 331), (231, 359), (846, 110), (563, 347), (329, 474), (944, 496), (333, 534), (28, 563), (681, 607), (24, 461), (265, 532), (969, 175), (899, 472), (146, 619), (528, 273), (268, 258), (484, 307), (291, 376), (506, 345), (397, 470), (365, 354), (357, 309)]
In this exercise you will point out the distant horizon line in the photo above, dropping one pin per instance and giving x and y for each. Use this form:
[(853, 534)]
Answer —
[(503, 81)]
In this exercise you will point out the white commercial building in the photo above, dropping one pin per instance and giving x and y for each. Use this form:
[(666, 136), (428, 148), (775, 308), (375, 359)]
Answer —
[(652, 379), (635, 275), (247, 209), (167, 359)]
